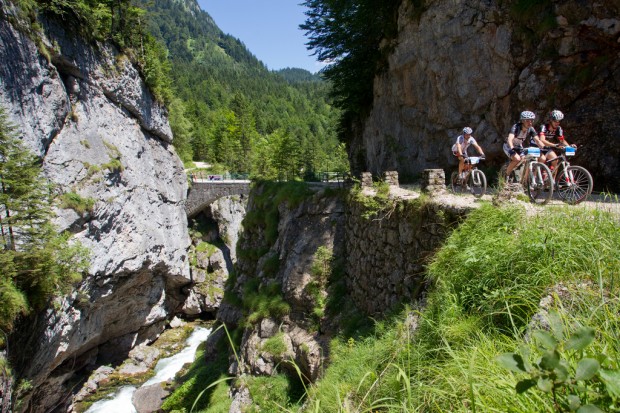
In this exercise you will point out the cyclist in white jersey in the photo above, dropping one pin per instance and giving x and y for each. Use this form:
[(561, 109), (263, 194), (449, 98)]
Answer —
[(520, 133), (463, 142)]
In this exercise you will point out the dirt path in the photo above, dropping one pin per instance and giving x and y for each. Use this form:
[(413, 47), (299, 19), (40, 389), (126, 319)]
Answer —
[(603, 202)]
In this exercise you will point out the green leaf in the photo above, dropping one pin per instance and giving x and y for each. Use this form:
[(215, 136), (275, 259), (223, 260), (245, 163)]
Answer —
[(574, 402), (561, 373), (525, 385), (611, 378), (586, 369), (545, 339), (557, 327), (511, 361), (589, 408), (545, 384), (549, 360), (580, 339)]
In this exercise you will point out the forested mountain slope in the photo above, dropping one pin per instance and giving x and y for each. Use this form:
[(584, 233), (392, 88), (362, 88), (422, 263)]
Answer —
[(241, 114)]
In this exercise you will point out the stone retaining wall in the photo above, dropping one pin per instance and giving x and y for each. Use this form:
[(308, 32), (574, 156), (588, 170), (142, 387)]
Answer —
[(386, 257)]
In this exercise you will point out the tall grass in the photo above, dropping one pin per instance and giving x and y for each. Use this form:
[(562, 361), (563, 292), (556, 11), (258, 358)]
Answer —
[(492, 283), (488, 282)]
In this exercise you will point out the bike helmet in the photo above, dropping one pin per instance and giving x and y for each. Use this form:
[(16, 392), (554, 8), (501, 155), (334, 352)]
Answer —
[(556, 115), (467, 131), (526, 114)]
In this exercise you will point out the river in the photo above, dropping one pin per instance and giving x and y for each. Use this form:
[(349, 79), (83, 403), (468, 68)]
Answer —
[(165, 369)]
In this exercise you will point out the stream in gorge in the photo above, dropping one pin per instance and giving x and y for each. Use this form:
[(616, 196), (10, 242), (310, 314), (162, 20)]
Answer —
[(165, 369)]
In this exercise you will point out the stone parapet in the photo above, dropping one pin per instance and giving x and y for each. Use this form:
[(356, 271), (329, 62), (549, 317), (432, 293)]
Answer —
[(366, 180), (391, 178), (434, 181)]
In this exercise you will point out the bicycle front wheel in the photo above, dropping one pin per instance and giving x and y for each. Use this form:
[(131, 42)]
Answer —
[(540, 184), (477, 183), (457, 187), (574, 184)]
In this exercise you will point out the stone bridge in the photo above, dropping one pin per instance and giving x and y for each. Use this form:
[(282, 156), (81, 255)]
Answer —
[(203, 193)]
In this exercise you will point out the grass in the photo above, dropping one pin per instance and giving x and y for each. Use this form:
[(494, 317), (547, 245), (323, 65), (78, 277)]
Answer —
[(74, 201), (489, 279), (487, 282)]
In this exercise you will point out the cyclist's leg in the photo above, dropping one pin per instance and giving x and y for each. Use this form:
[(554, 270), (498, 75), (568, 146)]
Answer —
[(514, 161)]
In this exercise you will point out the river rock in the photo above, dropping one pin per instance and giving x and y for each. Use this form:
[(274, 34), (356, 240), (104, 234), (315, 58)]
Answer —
[(149, 399)]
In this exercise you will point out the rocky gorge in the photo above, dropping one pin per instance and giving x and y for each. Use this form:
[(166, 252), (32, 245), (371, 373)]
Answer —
[(86, 111)]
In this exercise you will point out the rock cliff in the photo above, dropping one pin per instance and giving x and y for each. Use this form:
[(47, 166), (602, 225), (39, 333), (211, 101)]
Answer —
[(479, 64), (310, 266), (85, 110)]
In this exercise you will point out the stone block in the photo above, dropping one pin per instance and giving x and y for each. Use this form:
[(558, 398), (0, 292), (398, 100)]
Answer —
[(391, 177), (366, 180)]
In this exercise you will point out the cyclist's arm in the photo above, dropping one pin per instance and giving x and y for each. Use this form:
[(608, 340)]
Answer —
[(459, 149), (479, 149), (538, 141), (511, 136), (545, 142)]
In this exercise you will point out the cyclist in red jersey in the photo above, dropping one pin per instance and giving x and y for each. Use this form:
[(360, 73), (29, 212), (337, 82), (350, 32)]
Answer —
[(551, 135)]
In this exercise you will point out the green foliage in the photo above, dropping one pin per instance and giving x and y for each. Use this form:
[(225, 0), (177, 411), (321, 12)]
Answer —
[(75, 202), (355, 36), (37, 262), (120, 21), (272, 125), (576, 380), (263, 301), (377, 205), (449, 362), (275, 345)]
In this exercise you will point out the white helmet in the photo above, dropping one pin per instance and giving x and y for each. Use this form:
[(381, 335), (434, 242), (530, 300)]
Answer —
[(467, 130), (526, 114), (556, 115)]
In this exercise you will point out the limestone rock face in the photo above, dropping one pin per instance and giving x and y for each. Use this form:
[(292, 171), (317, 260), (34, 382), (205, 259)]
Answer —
[(102, 135), (211, 268), (479, 64), (285, 270)]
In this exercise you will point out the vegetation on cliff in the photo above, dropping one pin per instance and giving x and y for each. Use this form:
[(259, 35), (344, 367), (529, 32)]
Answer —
[(36, 262), (499, 278), (521, 316)]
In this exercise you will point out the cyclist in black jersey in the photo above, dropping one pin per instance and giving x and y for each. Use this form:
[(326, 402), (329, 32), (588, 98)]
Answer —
[(551, 135), (521, 133)]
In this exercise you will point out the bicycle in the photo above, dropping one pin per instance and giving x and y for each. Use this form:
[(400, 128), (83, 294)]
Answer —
[(473, 181), (573, 184), (534, 176)]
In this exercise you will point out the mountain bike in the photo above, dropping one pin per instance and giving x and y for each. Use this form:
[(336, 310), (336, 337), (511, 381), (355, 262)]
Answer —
[(534, 176), (473, 179), (573, 184)]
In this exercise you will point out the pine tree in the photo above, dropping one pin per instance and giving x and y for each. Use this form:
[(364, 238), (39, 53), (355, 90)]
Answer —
[(35, 261)]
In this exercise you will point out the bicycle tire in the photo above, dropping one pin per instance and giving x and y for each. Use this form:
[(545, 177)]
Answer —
[(457, 188), (574, 184), (540, 192), (477, 183)]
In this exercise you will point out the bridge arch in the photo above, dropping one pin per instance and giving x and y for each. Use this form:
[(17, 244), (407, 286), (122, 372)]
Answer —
[(202, 194)]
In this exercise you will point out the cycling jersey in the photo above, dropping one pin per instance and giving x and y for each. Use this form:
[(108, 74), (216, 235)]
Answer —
[(552, 135), (521, 137), (464, 144)]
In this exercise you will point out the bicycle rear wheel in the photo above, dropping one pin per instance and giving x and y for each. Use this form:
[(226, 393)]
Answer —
[(540, 184), (477, 183), (574, 184), (456, 185)]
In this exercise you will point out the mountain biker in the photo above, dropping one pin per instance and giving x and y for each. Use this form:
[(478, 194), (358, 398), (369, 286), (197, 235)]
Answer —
[(463, 142), (520, 133), (551, 135)]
